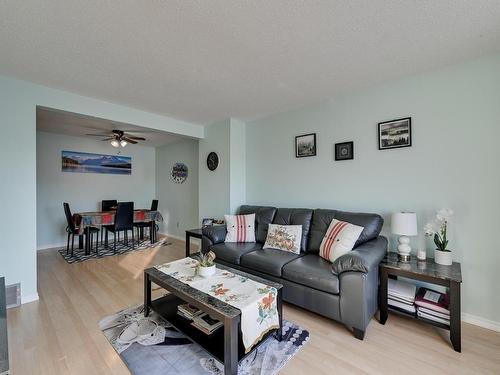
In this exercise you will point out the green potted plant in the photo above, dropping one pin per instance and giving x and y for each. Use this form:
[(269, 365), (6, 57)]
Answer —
[(438, 231), (206, 265)]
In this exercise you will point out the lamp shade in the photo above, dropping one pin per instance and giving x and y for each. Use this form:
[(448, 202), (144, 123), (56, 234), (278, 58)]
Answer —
[(404, 223)]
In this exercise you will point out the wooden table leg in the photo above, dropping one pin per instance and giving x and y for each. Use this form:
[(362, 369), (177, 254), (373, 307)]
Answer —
[(147, 294), (279, 304), (231, 345), (383, 296), (80, 241), (455, 316), (188, 250)]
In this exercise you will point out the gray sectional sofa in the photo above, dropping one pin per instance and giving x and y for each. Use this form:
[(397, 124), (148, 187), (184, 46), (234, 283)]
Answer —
[(346, 291)]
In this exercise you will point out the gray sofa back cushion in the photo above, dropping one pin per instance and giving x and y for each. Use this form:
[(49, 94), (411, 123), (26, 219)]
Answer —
[(264, 215), (296, 216), (371, 223)]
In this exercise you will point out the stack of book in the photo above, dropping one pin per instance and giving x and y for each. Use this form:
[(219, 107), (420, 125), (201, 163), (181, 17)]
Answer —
[(189, 312), (401, 296), (206, 324), (433, 305)]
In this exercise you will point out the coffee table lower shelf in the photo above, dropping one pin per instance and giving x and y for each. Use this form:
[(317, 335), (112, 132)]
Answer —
[(213, 344)]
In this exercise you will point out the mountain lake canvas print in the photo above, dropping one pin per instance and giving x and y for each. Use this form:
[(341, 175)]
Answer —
[(84, 162)]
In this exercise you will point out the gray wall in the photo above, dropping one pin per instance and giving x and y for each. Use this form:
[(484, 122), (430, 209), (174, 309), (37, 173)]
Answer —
[(84, 191), (178, 203), (453, 163)]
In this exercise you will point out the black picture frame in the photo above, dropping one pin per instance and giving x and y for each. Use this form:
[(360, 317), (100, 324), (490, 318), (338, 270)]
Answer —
[(387, 141), (305, 145), (344, 151)]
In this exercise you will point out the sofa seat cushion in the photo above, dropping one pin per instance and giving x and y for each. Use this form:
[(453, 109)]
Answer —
[(312, 271), (269, 261), (231, 252)]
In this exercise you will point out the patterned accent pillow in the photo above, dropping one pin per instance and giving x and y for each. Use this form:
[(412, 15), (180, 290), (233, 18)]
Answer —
[(339, 239), (240, 228), (284, 237)]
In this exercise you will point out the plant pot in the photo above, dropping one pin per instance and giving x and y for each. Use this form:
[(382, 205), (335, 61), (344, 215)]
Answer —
[(443, 257), (207, 271)]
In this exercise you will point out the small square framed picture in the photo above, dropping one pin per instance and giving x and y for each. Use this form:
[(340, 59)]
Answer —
[(305, 145), (344, 151), (394, 133)]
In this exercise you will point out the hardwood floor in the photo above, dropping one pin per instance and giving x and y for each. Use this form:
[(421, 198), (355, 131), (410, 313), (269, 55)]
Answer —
[(59, 335)]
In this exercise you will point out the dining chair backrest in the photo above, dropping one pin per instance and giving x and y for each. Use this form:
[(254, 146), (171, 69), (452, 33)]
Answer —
[(124, 218), (154, 205), (108, 205), (69, 218)]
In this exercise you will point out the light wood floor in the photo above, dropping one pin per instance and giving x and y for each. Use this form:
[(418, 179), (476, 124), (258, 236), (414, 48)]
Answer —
[(59, 335)]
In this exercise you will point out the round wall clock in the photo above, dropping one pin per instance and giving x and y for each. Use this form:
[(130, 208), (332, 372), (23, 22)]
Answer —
[(179, 173), (212, 161)]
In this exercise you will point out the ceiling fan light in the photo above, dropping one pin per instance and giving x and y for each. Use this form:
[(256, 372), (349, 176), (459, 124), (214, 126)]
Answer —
[(123, 143), (115, 143)]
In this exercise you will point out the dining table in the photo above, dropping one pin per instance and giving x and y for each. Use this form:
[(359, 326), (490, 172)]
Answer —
[(85, 220)]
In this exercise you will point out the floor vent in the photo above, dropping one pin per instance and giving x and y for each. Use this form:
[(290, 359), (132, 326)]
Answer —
[(13, 295)]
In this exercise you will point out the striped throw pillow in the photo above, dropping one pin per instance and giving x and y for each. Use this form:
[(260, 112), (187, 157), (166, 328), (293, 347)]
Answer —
[(339, 239), (240, 228)]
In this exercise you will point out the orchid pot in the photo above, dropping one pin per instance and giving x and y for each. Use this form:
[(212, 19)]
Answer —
[(438, 230), (443, 257), (206, 265), (207, 271)]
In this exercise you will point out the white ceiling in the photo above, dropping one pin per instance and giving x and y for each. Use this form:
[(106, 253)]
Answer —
[(61, 122), (202, 61)]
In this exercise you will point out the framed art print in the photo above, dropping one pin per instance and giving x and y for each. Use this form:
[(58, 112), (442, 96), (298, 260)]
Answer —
[(305, 145), (344, 151), (394, 133)]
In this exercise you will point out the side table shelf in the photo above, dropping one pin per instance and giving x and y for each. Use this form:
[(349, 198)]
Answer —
[(430, 272)]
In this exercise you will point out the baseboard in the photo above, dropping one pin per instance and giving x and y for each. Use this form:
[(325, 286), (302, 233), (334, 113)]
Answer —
[(51, 246), (194, 241), (29, 298), (481, 322)]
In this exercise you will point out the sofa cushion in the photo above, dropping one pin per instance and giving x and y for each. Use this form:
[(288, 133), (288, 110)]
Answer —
[(284, 237), (263, 217), (240, 228), (339, 239), (371, 223), (231, 252), (269, 261), (296, 216), (312, 271)]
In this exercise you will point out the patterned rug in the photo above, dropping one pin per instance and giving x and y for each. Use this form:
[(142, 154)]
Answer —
[(121, 248), (151, 346)]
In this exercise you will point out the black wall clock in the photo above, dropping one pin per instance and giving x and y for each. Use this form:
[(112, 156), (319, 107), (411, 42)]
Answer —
[(212, 161)]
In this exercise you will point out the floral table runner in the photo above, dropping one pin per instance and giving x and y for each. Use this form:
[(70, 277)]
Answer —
[(256, 301), (99, 218)]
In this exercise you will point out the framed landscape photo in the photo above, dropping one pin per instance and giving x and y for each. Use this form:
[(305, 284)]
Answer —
[(305, 145), (344, 151), (394, 133)]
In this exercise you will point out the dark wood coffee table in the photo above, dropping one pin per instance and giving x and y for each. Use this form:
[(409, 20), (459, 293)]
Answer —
[(226, 343)]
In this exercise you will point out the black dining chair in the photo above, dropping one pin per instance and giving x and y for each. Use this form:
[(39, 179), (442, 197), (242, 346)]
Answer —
[(73, 230), (106, 206), (141, 225), (124, 221)]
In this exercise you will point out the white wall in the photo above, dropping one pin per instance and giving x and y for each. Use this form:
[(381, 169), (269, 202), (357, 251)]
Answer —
[(178, 203), (18, 101), (453, 163), (85, 191)]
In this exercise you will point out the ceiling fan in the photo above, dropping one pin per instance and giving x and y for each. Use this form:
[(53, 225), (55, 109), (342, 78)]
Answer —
[(119, 137)]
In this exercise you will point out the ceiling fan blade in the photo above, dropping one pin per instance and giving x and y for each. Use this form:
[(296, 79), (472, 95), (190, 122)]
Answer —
[(98, 135), (129, 140), (107, 139), (134, 137)]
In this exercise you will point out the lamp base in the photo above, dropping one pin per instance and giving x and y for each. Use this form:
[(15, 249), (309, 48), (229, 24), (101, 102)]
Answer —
[(404, 257)]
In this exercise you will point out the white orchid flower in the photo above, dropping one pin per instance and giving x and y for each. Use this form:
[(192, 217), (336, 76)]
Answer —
[(444, 214), (430, 229)]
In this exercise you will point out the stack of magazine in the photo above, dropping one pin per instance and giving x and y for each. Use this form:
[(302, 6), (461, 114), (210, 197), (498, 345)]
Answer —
[(198, 318), (189, 312), (401, 296), (433, 305)]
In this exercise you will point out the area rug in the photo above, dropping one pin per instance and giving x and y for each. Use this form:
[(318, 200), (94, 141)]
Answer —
[(121, 248), (151, 346)]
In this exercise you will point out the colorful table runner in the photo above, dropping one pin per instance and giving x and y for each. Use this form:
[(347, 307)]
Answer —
[(256, 301), (99, 218)]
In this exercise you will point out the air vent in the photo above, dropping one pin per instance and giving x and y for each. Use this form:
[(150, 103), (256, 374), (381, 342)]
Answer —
[(13, 295)]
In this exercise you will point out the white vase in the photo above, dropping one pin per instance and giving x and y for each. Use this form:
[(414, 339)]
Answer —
[(443, 257), (207, 271)]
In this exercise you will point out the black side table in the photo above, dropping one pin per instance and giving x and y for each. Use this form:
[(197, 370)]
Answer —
[(195, 233), (430, 272)]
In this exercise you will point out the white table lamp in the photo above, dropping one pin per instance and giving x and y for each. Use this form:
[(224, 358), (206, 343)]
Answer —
[(404, 224)]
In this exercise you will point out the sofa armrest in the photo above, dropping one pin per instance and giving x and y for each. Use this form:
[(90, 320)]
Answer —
[(363, 258), (215, 234)]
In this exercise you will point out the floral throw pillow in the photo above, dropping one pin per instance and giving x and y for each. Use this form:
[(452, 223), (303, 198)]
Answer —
[(284, 237), (339, 239), (240, 228)]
